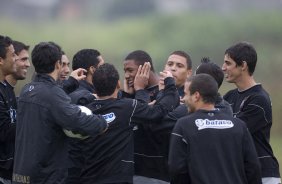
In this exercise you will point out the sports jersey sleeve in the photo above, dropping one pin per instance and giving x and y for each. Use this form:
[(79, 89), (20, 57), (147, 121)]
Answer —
[(256, 112), (170, 119), (178, 153), (142, 95), (81, 97), (7, 129), (164, 128), (168, 102), (70, 85), (69, 116), (170, 90), (251, 162)]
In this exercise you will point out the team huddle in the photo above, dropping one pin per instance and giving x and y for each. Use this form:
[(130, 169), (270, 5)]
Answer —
[(89, 126)]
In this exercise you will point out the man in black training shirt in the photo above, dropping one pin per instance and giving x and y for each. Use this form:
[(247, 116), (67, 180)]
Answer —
[(44, 110), (22, 64), (89, 60), (146, 155), (7, 108), (163, 130), (68, 82), (251, 103), (109, 157), (150, 161), (209, 146)]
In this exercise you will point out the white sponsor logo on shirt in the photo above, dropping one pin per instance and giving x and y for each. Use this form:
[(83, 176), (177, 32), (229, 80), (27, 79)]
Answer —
[(135, 127), (109, 117), (216, 124), (31, 88)]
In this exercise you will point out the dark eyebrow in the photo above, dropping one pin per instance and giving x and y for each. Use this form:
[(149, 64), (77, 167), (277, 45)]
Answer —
[(24, 58)]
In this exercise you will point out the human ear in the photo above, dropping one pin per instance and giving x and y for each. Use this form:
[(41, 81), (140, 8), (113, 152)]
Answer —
[(197, 96), (58, 64), (92, 69), (244, 66)]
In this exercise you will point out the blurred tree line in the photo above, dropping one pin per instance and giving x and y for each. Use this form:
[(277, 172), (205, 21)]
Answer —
[(110, 10)]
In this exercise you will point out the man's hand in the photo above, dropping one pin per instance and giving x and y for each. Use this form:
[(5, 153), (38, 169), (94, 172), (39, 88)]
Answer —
[(163, 75), (152, 102), (126, 88), (142, 76), (78, 74), (182, 101)]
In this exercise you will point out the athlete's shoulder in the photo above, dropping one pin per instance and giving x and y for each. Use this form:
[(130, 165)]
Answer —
[(191, 117), (258, 95), (230, 94)]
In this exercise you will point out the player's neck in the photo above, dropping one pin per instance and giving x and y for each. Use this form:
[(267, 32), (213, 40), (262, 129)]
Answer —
[(54, 74), (105, 97), (113, 95), (205, 106), (11, 80), (2, 77), (89, 79), (246, 83)]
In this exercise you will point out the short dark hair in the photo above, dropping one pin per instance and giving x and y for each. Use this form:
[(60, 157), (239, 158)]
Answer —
[(85, 58), (44, 57), (185, 55), (140, 57), (19, 46), (243, 51), (58, 47), (211, 68), (205, 85), (105, 79), (5, 42)]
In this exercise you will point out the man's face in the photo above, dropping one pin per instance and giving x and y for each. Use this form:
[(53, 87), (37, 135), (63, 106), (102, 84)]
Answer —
[(22, 64), (92, 69), (65, 70), (130, 71), (188, 98), (177, 65), (9, 63), (232, 72)]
